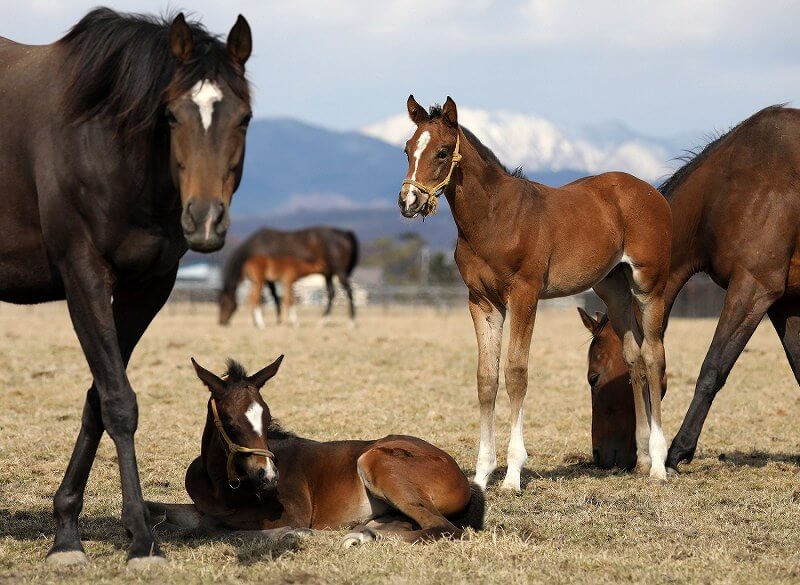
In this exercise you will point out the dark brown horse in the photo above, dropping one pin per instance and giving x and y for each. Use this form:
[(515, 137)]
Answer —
[(120, 145), (735, 209), (519, 241), (253, 476), (271, 255)]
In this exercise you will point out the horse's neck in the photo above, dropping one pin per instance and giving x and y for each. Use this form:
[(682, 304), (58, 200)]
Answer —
[(478, 201), (689, 255)]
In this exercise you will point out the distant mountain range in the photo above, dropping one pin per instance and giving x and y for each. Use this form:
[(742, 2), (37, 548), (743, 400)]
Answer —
[(298, 174)]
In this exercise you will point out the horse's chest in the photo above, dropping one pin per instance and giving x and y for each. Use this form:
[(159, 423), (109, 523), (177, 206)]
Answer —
[(142, 254)]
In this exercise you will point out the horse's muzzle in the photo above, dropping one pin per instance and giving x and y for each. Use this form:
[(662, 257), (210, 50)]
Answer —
[(205, 224), (412, 210)]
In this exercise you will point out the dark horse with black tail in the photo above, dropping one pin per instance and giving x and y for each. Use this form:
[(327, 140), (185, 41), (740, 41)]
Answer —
[(271, 255), (120, 146), (736, 216)]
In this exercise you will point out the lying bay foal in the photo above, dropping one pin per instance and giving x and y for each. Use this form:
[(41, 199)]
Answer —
[(253, 476), (521, 241)]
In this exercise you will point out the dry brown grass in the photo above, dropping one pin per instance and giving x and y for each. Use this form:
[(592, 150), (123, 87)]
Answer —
[(726, 519)]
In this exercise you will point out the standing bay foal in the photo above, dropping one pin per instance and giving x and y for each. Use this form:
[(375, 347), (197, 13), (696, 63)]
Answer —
[(254, 477), (519, 241)]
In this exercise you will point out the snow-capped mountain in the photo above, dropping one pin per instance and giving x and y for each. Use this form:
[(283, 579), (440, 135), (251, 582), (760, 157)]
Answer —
[(540, 146)]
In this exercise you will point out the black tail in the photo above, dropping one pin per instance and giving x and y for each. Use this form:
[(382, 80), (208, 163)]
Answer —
[(472, 516), (353, 252)]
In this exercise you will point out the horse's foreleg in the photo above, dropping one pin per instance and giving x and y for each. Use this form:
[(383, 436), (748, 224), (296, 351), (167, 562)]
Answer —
[(107, 333), (488, 322), (344, 279), (746, 303), (331, 293), (289, 300), (522, 305)]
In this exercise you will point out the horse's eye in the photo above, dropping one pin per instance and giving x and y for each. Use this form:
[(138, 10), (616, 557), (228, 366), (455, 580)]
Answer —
[(442, 153), (171, 119), (593, 378), (246, 120)]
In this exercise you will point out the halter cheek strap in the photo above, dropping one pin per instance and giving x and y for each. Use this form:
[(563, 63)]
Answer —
[(234, 480), (433, 192)]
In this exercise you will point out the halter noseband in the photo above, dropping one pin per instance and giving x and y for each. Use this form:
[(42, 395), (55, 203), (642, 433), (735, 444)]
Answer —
[(234, 480), (433, 192)]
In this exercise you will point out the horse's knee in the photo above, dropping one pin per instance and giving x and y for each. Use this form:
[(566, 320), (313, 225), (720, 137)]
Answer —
[(516, 378), (709, 383), (120, 413)]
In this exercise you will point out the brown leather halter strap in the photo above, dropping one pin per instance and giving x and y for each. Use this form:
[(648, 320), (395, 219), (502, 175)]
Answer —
[(433, 192), (234, 480)]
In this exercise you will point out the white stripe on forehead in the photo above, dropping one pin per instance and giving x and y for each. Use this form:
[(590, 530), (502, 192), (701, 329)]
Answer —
[(254, 415), (205, 94), (422, 144)]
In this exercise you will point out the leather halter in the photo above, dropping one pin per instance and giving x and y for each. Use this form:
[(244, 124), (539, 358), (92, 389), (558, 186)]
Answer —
[(433, 192), (234, 479)]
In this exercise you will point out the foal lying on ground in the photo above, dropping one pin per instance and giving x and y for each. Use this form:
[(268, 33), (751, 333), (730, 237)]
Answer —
[(253, 476)]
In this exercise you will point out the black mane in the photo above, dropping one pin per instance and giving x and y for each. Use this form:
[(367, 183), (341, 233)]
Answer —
[(235, 371), (122, 69), (435, 112), (695, 157)]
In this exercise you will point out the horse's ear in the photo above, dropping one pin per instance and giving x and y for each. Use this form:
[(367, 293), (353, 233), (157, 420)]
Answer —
[(240, 41), (211, 380), (180, 39), (262, 376), (416, 112), (588, 322), (450, 112)]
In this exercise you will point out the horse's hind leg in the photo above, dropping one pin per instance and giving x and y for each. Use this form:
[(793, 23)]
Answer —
[(275, 297), (746, 302), (418, 480), (254, 299), (615, 292), (289, 300), (331, 293), (785, 317), (344, 279)]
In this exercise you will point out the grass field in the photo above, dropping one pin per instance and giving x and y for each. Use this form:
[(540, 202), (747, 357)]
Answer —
[(732, 516)]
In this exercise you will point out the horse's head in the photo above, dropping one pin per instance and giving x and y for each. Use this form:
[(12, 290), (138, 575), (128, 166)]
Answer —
[(613, 417), (242, 420), (227, 306), (208, 111), (433, 153)]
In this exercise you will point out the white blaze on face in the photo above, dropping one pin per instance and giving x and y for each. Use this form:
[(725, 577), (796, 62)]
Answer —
[(254, 414), (205, 94), (422, 144)]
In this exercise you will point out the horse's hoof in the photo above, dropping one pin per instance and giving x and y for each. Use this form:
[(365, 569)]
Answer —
[(302, 533), (67, 558), (658, 475), (352, 324), (145, 563), (357, 538), (673, 472), (511, 486), (643, 467)]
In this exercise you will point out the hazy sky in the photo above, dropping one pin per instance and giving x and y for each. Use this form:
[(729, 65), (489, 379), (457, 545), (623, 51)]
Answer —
[(662, 67)]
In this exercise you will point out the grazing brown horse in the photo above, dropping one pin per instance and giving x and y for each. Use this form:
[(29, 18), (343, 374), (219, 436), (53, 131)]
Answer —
[(735, 209), (519, 241), (120, 146), (253, 476), (270, 255)]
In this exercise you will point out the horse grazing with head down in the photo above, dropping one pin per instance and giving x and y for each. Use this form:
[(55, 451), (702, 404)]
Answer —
[(735, 209), (271, 255), (519, 241), (255, 478), (120, 146)]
